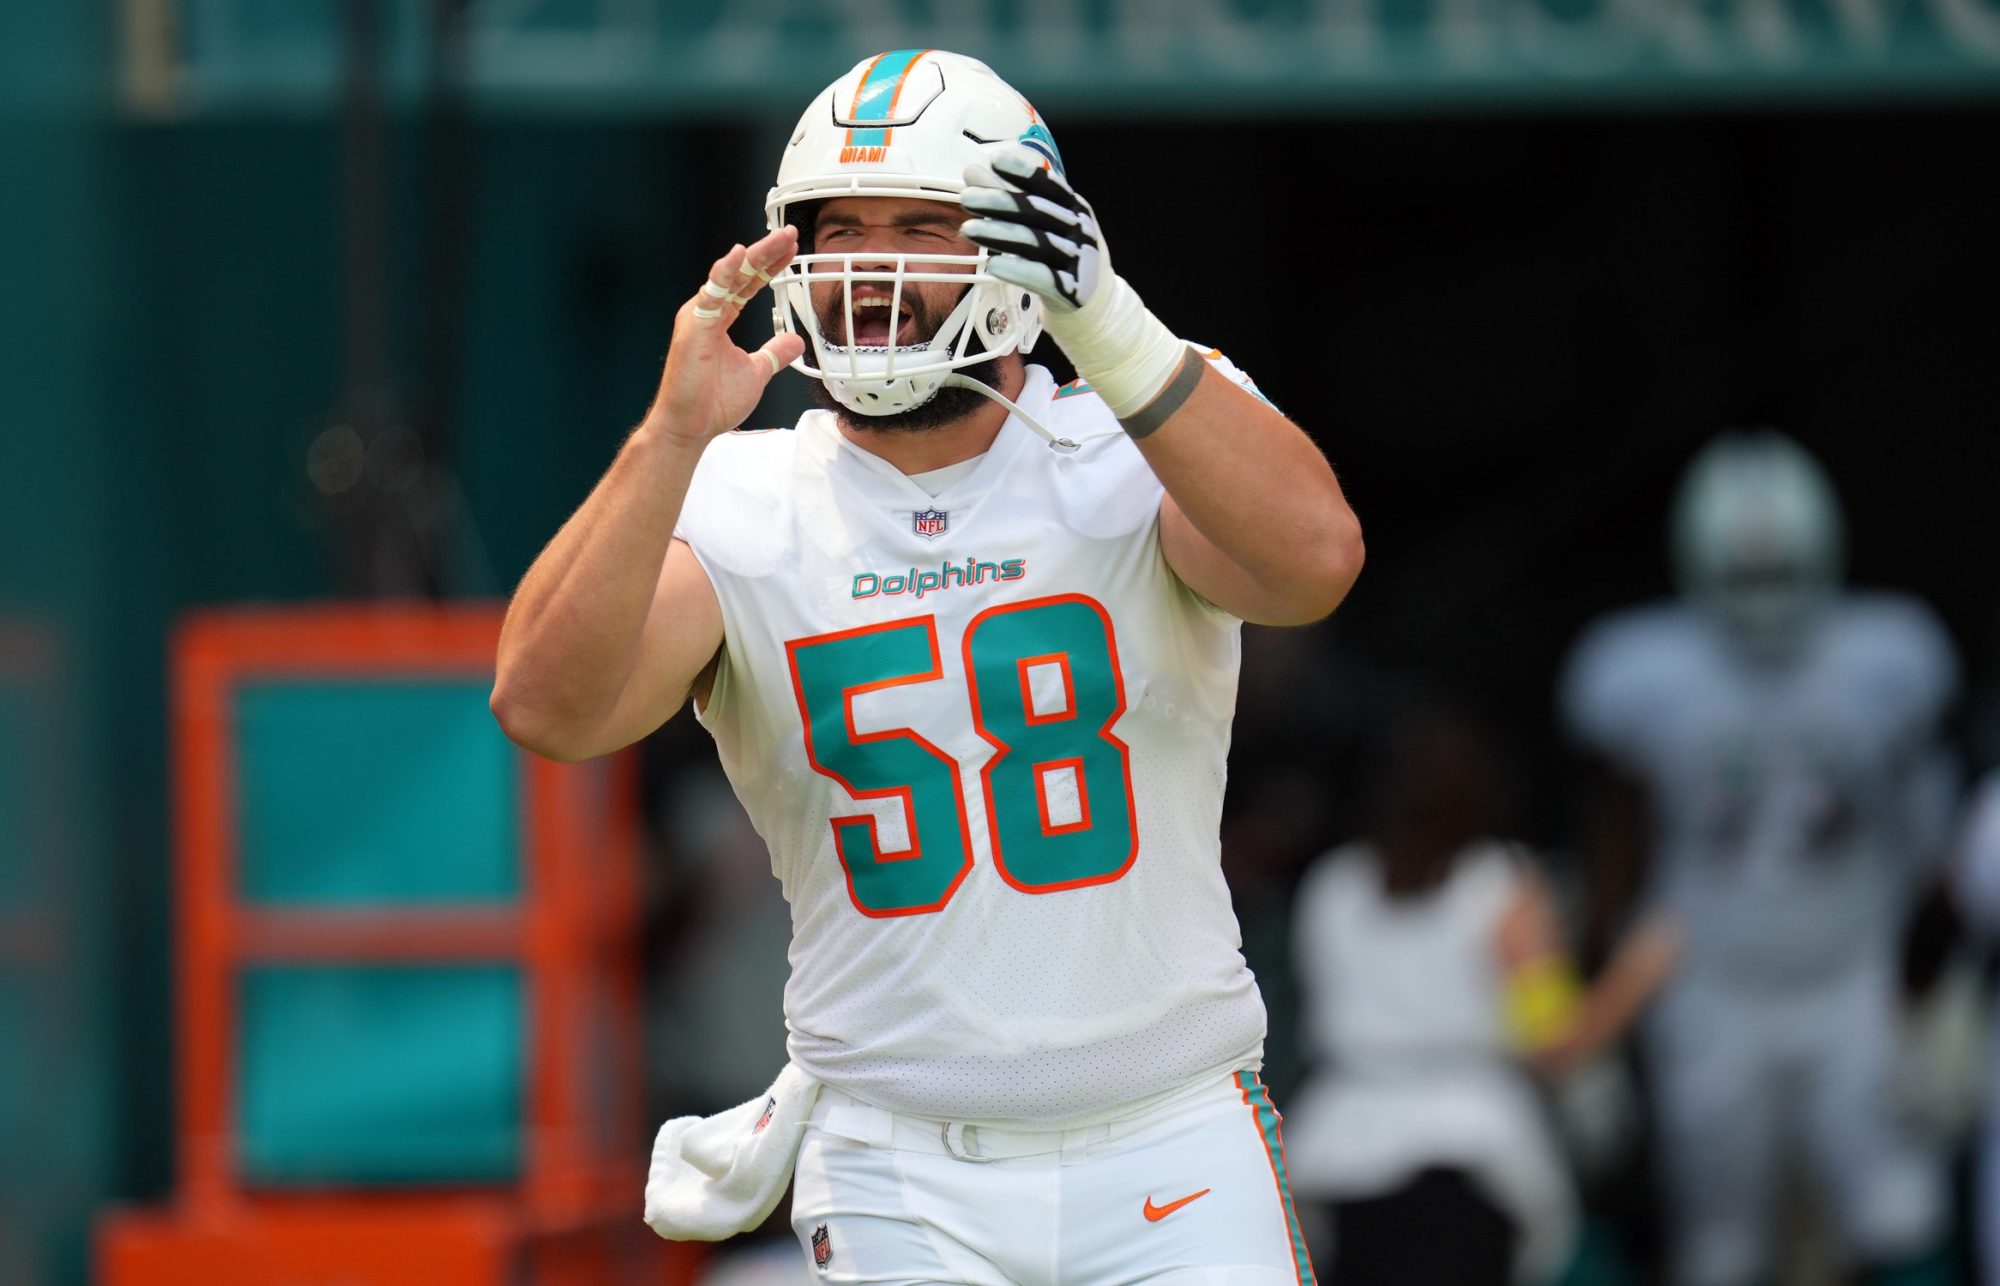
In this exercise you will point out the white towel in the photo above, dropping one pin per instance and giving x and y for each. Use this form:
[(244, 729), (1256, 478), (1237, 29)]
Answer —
[(715, 1176)]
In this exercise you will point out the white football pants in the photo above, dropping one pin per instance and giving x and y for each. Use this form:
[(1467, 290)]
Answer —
[(1189, 1194), (1744, 1079)]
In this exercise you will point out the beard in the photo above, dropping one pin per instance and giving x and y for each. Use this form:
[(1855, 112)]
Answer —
[(946, 406)]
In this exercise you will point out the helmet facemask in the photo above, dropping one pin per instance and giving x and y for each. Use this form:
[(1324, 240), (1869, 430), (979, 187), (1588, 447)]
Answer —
[(830, 299)]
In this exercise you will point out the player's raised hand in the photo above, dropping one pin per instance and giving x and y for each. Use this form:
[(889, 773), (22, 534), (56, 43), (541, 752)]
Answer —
[(709, 384), (1042, 234)]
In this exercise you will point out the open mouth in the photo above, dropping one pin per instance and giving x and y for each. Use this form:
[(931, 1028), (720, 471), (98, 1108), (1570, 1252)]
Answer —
[(874, 323)]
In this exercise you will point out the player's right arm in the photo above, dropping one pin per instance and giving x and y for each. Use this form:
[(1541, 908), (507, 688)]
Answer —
[(615, 621)]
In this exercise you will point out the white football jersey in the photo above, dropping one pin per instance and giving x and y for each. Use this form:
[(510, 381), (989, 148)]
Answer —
[(1793, 806), (984, 736)]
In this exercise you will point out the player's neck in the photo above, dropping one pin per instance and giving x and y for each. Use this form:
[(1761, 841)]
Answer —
[(961, 439)]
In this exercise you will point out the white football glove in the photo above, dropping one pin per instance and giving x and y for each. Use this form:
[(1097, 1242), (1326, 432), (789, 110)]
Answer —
[(1042, 234), (1043, 237)]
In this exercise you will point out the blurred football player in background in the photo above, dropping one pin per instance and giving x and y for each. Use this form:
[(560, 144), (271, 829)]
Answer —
[(967, 642), (1977, 885), (1778, 781), (1436, 978)]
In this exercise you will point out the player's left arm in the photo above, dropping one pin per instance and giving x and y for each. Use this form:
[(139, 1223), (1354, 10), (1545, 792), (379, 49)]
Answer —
[(1929, 791), (1254, 519)]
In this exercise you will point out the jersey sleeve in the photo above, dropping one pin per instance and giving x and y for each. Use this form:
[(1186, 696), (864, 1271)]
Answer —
[(1977, 868), (1235, 374), (1918, 666), (734, 479), (1608, 687), (713, 478), (1912, 673), (693, 524)]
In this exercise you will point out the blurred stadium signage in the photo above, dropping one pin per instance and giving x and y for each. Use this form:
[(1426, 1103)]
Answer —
[(696, 58)]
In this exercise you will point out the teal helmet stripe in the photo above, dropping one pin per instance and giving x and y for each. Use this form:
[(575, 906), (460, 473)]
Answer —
[(877, 95)]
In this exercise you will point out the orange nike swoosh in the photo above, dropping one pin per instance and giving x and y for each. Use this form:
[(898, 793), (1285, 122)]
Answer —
[(1156, 1213)]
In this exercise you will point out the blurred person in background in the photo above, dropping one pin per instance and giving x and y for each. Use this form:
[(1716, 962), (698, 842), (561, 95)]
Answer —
[(967, 643), (1437, 987), (1774, 775), (1304, 714), (718, 939), (1977, 886)]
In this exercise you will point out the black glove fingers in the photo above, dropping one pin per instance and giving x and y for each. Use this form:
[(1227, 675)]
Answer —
[(1013, 207), (1026, 171), (1002, 236), (1039, 232), (1059, 253)]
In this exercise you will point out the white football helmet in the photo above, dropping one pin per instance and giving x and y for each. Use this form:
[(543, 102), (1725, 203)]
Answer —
[(1758, 540), (901, 124)]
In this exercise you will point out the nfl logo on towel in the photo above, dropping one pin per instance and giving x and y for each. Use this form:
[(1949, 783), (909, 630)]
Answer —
[(770, 1106), (822, 1248), (930, 522)]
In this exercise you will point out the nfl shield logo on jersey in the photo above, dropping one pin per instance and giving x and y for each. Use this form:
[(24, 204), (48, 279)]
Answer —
[(931, 522), (822, 1248)]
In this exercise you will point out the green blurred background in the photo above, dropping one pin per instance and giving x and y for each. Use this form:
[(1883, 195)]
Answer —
[(1509, 260)]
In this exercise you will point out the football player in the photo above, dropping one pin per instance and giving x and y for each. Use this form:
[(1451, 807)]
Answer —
[(1977, 885), (1780, 739), (967, 643)]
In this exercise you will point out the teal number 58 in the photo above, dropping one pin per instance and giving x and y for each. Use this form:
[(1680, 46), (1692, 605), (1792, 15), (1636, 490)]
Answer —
[(1045, 689)]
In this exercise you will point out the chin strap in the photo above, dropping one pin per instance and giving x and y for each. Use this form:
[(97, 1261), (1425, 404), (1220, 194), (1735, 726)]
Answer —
[(1067, 446)]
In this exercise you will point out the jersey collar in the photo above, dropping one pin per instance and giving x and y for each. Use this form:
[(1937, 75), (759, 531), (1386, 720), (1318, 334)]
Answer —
[(883, 481)]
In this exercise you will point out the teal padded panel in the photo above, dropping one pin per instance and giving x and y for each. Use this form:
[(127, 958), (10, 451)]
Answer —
[(381, 1074), (375, 792), (20, 1050), (21, 851)]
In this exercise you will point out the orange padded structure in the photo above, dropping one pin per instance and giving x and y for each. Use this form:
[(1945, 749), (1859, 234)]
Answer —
[(566, 1207)]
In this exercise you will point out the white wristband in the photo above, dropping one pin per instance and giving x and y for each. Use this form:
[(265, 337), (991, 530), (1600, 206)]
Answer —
[(1118, 346)]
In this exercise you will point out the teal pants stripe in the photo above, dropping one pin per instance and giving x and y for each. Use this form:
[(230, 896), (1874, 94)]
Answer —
[(1258, 1099)]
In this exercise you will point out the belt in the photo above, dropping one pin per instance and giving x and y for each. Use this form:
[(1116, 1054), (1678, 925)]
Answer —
[(839, 1113)]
